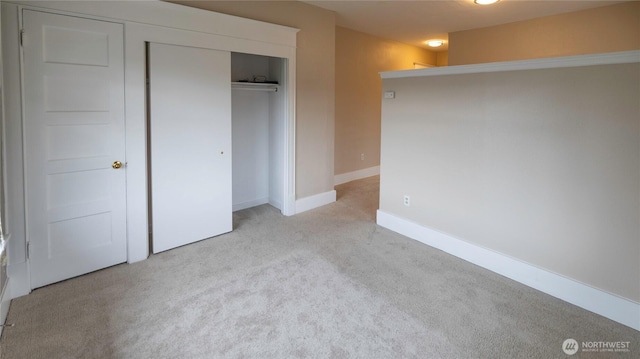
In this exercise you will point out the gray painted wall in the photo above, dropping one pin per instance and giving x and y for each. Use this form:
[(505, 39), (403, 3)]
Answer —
[(540, 165)]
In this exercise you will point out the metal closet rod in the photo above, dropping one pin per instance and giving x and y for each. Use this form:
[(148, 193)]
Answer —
[(255, 86)]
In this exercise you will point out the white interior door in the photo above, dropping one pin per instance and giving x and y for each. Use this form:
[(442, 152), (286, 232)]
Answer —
[(190, 136), (74, 132)]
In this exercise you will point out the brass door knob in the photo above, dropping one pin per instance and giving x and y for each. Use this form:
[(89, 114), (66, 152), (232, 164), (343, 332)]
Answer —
[(116, 165)]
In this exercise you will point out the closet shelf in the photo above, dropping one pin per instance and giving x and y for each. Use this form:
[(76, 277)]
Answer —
[(255, 86)]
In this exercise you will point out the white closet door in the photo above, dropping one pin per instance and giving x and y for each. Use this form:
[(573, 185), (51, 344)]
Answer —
[(74, 132), (190, 135)]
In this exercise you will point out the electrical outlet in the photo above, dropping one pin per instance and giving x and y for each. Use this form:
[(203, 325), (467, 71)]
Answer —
[(362, 157), (407, 201)]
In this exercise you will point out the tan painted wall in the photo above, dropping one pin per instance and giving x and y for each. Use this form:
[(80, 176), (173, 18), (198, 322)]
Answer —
[(442, 58), (605, 29), (315, 102), (359, 59), (540, 165)]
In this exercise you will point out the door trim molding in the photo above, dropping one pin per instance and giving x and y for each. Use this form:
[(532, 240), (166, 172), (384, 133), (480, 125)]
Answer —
[(14, 207)]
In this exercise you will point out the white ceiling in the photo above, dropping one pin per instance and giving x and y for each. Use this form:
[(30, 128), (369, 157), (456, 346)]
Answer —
[(413, 22)]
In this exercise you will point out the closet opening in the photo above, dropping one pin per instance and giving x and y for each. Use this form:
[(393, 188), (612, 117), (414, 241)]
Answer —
[(219, 146), (258, 120)]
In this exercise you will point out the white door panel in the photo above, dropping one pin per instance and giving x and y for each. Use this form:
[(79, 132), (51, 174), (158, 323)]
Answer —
[(190, 130), (74, 131)]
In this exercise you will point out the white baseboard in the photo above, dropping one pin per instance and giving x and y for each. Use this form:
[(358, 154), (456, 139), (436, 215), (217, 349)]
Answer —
[(249, 204), (315, 201), (621, 310), (356, 175), (5, 302), (20, 283)]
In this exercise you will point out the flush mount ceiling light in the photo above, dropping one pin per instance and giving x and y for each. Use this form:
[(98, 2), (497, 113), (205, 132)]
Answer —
[(435, 43), (485, 2)]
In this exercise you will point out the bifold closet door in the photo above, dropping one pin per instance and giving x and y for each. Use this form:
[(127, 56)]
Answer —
[(190, 144)]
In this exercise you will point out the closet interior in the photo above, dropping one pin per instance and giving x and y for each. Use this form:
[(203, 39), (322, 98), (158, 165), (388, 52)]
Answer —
[(258, 114)]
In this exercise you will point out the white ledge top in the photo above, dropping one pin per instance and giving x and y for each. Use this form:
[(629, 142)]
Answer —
[(608, 58)]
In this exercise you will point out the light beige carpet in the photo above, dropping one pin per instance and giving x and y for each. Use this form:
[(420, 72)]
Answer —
[(327, 283)]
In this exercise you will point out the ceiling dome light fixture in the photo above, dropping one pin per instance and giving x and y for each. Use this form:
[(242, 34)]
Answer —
[(485, 2), (435, 43)]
